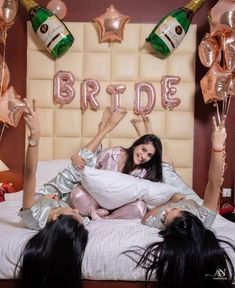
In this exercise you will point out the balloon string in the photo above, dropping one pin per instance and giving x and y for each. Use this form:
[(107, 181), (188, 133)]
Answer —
[(227, 105), (217, 112), (3, 63), (224, 105), (225, 108), (3, 128)]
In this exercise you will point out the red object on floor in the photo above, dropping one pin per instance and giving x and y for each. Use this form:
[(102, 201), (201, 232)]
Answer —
[(226, 210), (8, 187), (2, 194)]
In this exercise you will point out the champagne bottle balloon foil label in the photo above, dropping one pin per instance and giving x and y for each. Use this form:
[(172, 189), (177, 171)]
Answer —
[(51, 32), (171, 33), (172, 28)]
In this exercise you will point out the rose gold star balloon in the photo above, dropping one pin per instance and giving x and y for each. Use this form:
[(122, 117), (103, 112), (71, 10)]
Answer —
[(223, 13), (111, 25), (229, 51), (232, 86), (11, 107), (215, 84), (226, 40)]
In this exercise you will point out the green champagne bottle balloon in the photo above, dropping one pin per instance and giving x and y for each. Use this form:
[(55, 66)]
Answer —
[(171, 29), (55, 36)]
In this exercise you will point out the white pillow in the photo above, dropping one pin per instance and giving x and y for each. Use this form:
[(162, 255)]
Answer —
[(113, 189), (172, 178), (48, 169)]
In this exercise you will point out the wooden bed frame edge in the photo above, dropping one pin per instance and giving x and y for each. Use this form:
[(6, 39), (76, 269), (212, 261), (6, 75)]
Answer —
[(14, 283)]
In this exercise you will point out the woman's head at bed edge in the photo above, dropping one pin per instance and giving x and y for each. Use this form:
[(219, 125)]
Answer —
[(181, 223), (45, 214), (190, 255), (146, 152), (63, 243), (56, 212)]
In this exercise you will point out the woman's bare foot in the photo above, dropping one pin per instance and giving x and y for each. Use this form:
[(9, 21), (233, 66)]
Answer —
[(116, 117), (108, 126), (107, 114), (139, 126), (147, 124)]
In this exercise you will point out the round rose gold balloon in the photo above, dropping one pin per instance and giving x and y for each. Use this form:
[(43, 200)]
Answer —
[(8, 11), (209, 50), (58, 7)]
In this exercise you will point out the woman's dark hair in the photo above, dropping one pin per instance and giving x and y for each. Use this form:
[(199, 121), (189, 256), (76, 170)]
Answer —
[(190, 256), (53, 257), (154, 165)]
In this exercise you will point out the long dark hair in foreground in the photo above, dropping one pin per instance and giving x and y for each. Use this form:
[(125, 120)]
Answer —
[(53, 257), (190, 256), (154, 165)]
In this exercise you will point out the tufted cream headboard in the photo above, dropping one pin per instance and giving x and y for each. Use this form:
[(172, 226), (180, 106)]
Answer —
[(64, 130)]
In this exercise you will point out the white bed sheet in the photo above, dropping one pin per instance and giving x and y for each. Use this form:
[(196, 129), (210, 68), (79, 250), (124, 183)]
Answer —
[(107, 240)]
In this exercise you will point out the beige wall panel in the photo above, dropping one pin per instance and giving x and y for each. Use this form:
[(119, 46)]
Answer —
[(66, 128)]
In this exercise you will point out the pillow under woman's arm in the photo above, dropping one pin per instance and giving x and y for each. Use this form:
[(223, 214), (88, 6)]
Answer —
[(113, 189), (172, 178)]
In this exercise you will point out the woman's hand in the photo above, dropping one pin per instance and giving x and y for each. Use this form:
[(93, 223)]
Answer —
[(177, 197), (32, 119), (219, 135), (52, 196), (78, 162)]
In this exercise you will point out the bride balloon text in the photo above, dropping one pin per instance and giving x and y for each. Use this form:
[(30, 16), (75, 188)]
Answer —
[(144, 93)]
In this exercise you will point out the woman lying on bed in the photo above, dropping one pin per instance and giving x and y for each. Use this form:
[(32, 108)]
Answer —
[(142, 160), (112, 190), (39, 209), (153, 193), (53, 256), (190, 255), (143, 125)]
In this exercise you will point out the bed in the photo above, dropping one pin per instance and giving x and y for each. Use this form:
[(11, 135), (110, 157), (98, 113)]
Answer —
[(103, 261), (64, 129)]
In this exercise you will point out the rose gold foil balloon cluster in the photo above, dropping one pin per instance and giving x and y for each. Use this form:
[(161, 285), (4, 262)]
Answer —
[(217, 52), (11, 106)]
